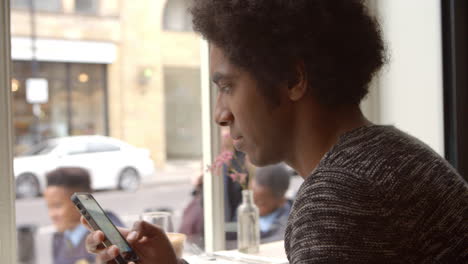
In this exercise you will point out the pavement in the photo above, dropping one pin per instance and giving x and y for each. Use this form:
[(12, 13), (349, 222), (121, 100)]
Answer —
[(176, 171)]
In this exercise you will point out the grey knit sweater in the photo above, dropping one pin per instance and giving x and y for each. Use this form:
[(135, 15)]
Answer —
[(380, 196)]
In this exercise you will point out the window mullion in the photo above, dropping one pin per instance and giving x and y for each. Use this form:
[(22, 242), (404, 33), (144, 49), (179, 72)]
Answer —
[(213, 191), (7, 195)]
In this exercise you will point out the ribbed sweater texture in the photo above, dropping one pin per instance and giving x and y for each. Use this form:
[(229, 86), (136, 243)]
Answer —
[(380, 196)]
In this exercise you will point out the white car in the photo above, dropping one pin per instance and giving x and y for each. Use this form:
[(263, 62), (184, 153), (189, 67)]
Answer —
[(112, 163)]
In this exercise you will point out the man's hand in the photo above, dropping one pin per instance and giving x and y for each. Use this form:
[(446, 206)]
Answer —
[(149, 242)]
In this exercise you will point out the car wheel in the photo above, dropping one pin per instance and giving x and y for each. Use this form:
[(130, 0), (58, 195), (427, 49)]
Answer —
[(27, 186), (129, 180)]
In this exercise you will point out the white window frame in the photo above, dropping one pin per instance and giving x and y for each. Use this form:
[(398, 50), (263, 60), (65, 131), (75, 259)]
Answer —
[(7, 193), (213, 190)]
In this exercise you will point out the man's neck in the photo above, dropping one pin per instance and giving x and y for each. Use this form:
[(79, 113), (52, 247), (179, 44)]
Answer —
[(317, 133)]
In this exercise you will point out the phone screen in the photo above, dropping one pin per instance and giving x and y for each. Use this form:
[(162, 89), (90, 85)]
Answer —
[(98, 219), (106, 226)]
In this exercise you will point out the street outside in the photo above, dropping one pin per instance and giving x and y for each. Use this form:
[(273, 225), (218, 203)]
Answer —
[(171, 190)]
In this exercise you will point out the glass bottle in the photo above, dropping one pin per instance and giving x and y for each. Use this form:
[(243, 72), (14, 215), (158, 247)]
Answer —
[(248, 226)]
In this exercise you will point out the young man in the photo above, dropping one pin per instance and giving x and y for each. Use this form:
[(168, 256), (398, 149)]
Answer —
[(269, 187), (69, 240), (291, 76)]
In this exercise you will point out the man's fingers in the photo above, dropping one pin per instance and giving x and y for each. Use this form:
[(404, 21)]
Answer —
[(147, 229), (123, 231), (108, 254), (142, 230), (136, 233), (94, 241)]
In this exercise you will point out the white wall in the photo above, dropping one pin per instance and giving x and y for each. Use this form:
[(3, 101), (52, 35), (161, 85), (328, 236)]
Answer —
[(410, 87)]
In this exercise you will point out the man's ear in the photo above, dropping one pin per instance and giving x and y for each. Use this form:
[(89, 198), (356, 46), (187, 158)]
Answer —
[(297, 86)]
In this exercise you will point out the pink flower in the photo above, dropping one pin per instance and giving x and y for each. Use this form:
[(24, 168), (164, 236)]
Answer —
[(242, 178), (225, 158), (234, 176)]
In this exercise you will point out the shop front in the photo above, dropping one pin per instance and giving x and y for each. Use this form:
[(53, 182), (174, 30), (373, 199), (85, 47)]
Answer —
[(57, 99)]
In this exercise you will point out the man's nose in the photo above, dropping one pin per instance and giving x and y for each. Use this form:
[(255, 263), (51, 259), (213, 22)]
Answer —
[(223, 115)]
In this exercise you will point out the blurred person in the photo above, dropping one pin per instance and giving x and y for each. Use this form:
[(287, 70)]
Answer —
[(68, 243), (290, 77), (192, 216), (192, 219), (269, 187)]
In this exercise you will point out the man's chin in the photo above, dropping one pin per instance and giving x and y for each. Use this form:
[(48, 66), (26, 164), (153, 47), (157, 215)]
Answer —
[(259, 161)]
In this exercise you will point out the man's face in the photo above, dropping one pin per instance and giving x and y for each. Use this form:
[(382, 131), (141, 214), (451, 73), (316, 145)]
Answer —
[(266, 202), (256, 126), (62, 212)]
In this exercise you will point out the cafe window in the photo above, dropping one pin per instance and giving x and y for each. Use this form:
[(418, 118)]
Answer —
[(151, 92), (176, 16), (143, 93), (142, 90), (42, 5), (86, 6), (76, 103), (183, 114)]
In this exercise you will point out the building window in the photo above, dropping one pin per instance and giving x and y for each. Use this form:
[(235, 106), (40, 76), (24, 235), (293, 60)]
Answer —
[(176, 16), (43, 5), (183, 113), (86, 6), (76, 102)]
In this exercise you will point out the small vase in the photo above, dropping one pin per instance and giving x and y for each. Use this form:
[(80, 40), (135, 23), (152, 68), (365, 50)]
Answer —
[(248, 226)]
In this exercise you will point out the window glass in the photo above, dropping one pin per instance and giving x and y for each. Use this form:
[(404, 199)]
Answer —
[(20, 3), (176, 16), (86, 6), (183, 116), (102, 147), (136, 86), (42, 5), (40, 149), (87, 99), (34, 122), (76, 103), (74, 148)]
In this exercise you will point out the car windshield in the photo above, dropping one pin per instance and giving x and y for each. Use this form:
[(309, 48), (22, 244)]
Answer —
[(40, 149)]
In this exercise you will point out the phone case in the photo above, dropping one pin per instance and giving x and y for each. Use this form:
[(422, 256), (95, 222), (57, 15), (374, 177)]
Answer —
[(119, 259)]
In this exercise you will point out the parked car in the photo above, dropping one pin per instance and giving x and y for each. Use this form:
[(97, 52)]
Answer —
[(112, 163)]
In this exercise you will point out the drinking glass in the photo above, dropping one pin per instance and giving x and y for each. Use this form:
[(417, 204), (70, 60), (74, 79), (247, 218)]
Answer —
[(161, 219), (164, 221)]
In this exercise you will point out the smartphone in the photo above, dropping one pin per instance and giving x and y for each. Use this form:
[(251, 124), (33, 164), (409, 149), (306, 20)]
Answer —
[(98, 220)]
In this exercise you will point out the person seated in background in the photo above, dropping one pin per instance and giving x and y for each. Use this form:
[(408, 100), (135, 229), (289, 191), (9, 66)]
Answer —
[(69, 241), (192, 217), (269, 188)]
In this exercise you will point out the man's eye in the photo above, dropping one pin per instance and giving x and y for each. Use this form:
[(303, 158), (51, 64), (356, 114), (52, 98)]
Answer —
[(225, 89)]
